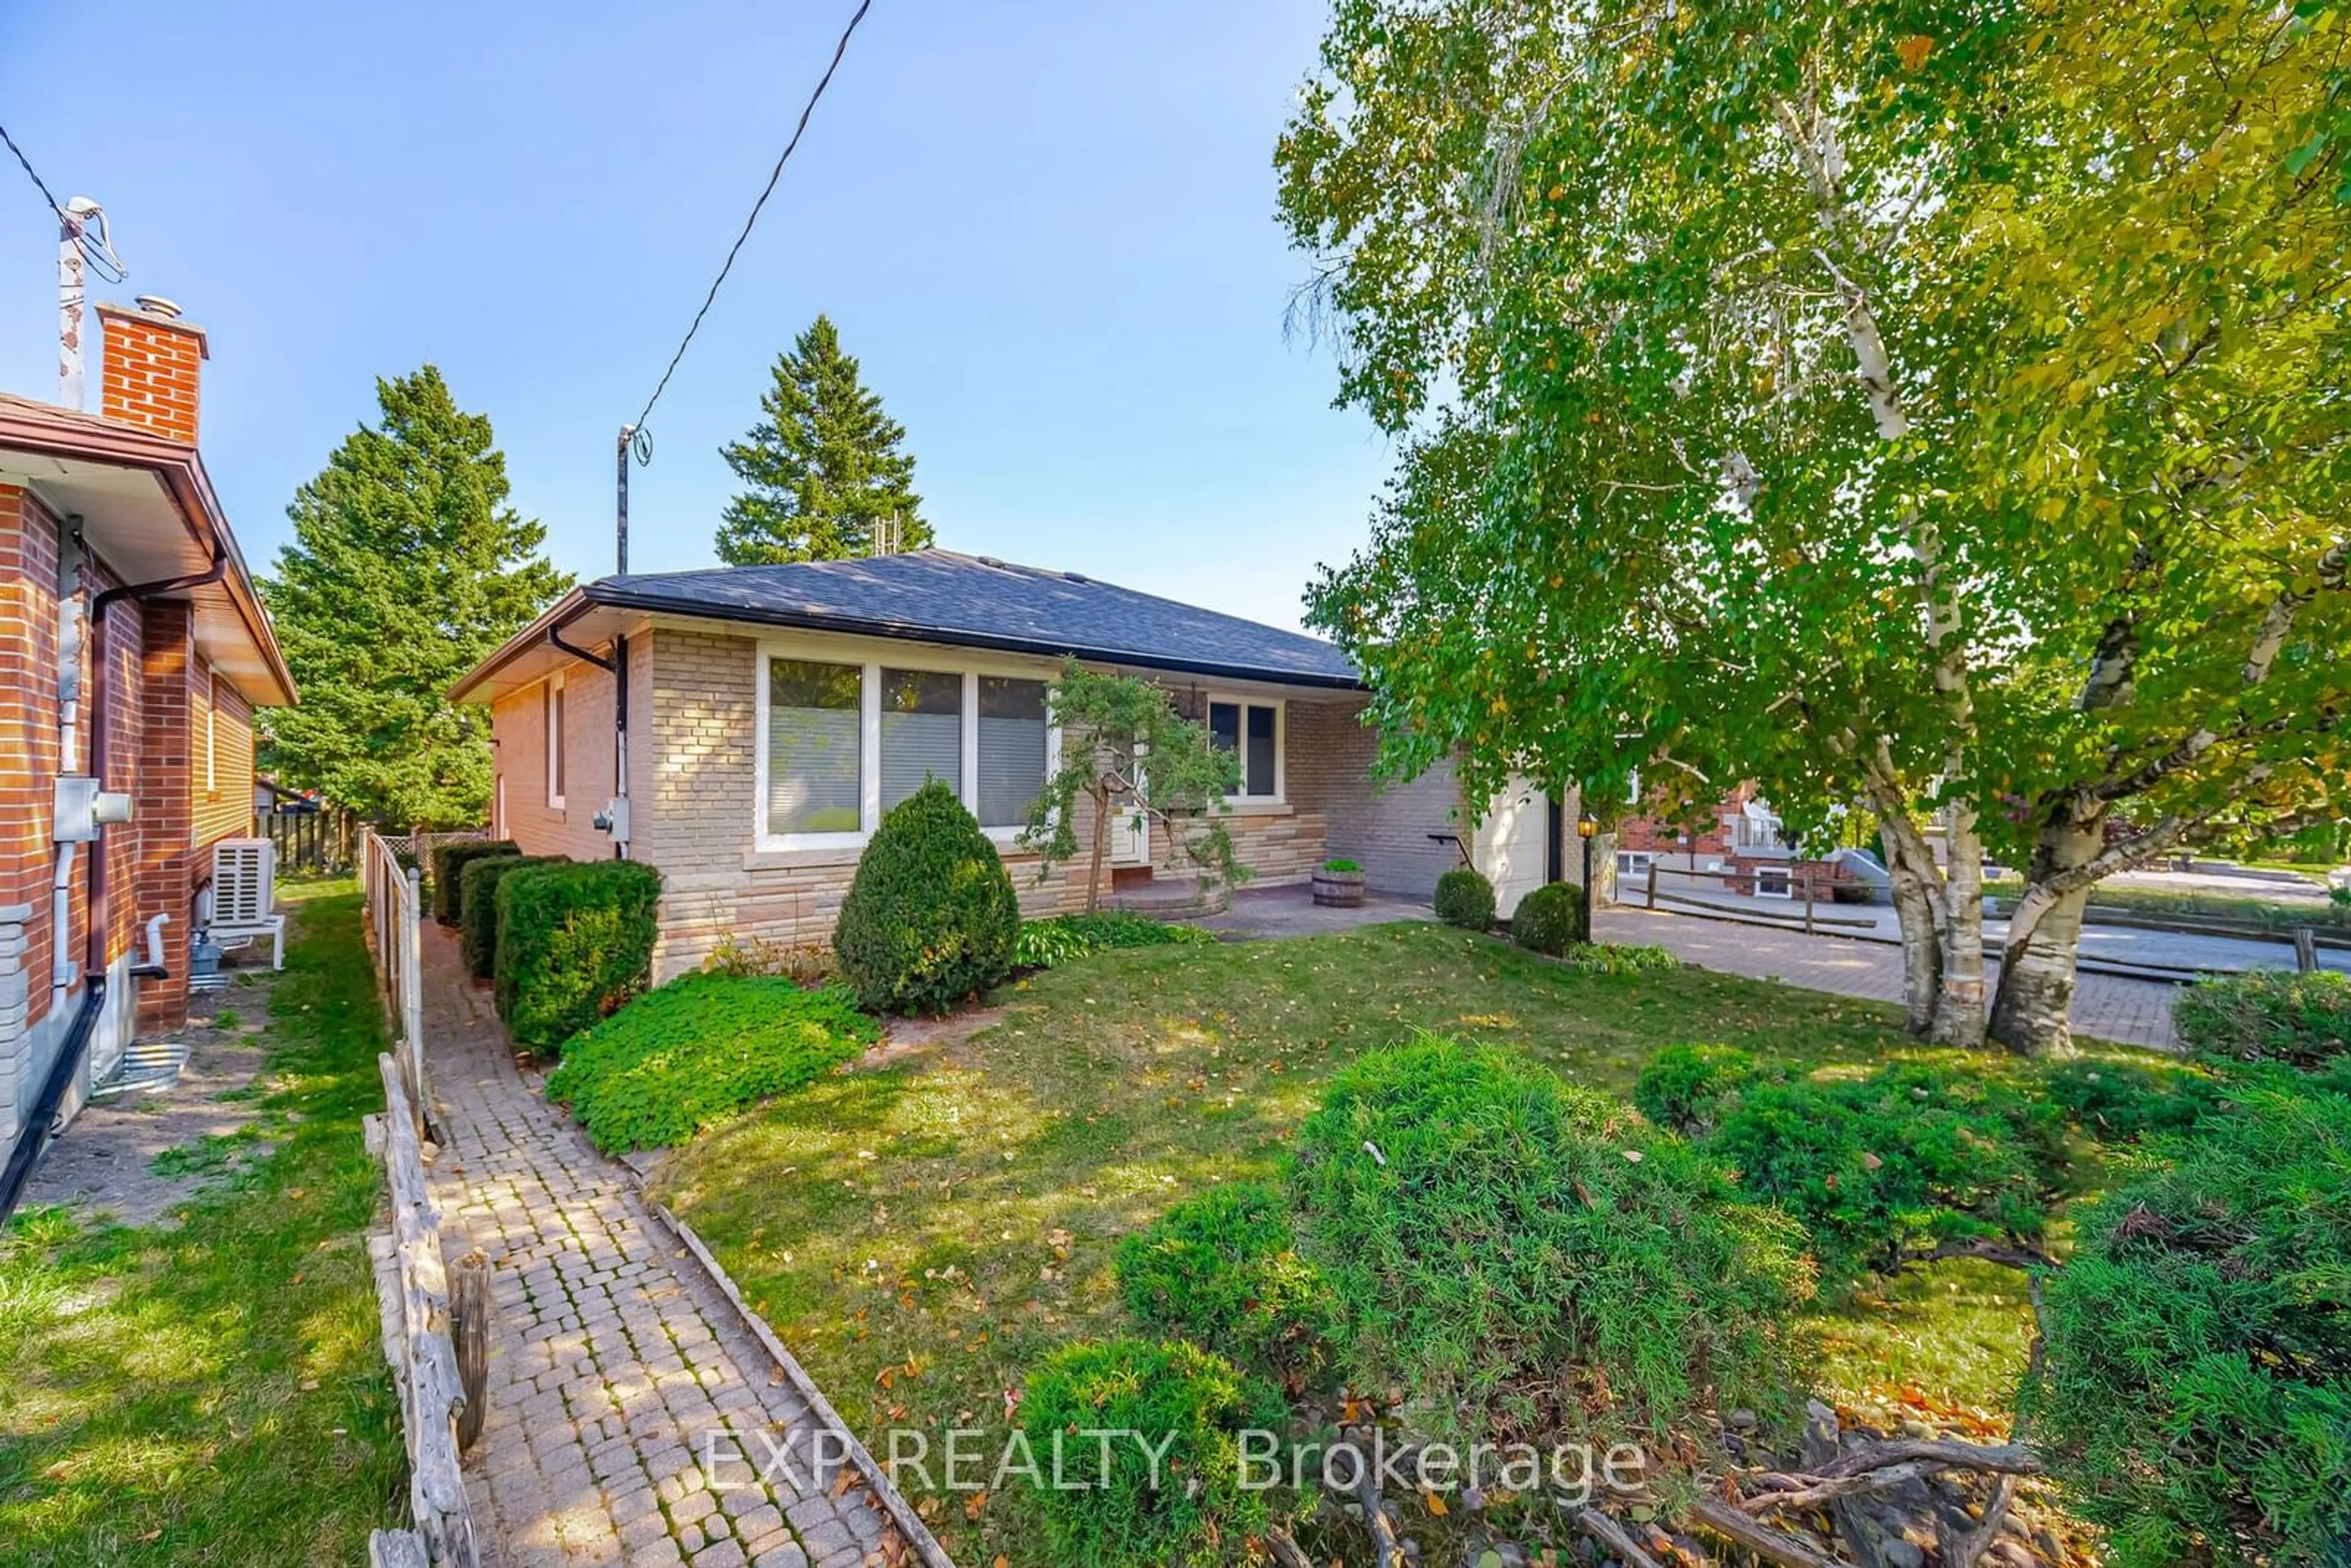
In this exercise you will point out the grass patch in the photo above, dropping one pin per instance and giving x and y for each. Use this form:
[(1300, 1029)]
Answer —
[(702, 1047), (216, 1393), (922, 1235), (2245, 909)]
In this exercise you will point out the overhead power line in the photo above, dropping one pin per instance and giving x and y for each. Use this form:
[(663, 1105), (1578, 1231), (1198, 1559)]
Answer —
[(773, 175), (102, 258)]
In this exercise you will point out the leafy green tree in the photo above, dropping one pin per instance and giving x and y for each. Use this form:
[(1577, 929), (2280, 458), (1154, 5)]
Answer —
[(408, 566), (1922, 406), (823, 471), (1126, 752)]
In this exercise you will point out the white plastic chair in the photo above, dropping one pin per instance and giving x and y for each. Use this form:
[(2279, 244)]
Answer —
[(244, 896)]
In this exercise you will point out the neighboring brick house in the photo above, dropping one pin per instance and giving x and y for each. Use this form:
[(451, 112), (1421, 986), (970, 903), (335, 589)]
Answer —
[(133, 641), (1741, 838), (775, 713)]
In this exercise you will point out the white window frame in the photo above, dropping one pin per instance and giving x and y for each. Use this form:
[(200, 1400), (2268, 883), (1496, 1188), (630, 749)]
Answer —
[(870, 663), (554, 736), (1635, 863), (212, 732), (1243, 799)]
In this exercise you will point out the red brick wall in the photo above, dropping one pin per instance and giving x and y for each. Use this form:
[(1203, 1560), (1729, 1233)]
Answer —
[(164, 792), (149, 370), (29, 724)]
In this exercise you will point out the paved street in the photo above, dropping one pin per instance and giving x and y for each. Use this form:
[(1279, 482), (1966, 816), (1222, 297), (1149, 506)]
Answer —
[(2105, 1007), (617, 1364)]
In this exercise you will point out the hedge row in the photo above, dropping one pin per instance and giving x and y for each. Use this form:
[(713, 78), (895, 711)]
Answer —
[(477, 907), (449, 870), (575, 940)]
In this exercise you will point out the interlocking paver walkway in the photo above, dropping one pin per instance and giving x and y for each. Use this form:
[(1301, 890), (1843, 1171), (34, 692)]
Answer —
[(622, 1385), (2115, 1008)]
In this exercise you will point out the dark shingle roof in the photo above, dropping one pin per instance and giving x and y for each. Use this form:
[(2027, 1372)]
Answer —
[(942, 596)]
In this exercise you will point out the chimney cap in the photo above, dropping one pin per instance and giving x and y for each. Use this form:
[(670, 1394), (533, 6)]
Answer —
[(156, 305)]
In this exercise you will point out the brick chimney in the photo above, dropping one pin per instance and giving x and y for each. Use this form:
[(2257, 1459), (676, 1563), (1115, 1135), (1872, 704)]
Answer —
[(150, 367)]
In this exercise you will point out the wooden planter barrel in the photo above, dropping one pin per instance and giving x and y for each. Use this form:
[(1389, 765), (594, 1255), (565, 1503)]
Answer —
[(1339, 889)]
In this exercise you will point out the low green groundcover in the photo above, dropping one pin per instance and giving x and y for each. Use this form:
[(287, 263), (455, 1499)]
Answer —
[(1045, 944), (700, 1048)]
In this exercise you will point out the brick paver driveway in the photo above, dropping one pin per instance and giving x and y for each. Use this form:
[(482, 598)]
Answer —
[(2105, 1007), (618, 1370)]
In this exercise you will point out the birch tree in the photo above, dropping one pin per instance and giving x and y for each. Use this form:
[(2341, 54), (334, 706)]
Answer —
[(1785, 397)]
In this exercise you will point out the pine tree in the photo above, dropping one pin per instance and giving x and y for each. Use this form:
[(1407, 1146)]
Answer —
[(822, 469), (407, 568)]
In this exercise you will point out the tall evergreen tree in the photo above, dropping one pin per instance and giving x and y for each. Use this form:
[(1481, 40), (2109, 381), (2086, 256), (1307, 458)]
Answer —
[(407, 567), (822, 468)]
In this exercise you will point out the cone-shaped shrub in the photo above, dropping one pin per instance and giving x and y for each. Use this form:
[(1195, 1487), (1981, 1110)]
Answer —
[(931, 916)]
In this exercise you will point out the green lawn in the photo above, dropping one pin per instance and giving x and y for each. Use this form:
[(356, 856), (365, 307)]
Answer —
[(217, 1393), (922, 1234)]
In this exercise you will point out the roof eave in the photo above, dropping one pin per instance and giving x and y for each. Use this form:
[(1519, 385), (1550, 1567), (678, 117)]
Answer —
[(180, 469)]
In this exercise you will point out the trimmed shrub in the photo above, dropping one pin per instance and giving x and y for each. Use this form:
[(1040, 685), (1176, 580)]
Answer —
[(1044, 944), (1465, 898), (477, 907), (1222, 1270), (1882, 1168), (1550, 919), (680, 1057), (1509, 1249), (1686, 1089), (1199, 1513), (575, 941), (2196, 1394), (449, 870), (931, 916), (2267, 1015)]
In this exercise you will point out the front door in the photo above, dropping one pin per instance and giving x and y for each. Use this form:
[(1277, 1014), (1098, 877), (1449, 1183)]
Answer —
[(1130, 826)]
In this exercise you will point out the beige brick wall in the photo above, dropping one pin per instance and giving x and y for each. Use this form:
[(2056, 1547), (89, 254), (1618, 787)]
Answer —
[(696, 813), (1384, 827), (519, 724)]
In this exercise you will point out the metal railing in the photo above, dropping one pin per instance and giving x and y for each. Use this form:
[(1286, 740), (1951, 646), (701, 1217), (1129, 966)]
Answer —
[(395, 907)]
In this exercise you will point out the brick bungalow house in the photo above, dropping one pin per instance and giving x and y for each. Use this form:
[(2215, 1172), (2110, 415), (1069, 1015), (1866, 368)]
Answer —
[(133, 650), (744, 728)]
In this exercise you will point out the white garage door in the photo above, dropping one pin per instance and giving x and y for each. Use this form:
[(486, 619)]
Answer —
[(1513, 843)]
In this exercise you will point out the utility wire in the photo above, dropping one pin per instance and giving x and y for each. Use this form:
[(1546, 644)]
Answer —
[(102, 259), (775, 174)]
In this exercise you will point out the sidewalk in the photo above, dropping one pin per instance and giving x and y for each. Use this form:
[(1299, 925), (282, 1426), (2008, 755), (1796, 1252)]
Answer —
[(617, 1367), (2105, 1007)]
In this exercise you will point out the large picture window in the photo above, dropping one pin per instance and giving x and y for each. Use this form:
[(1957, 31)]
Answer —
[(841, 744), (814, 747), (1252, 732), (1011, 749)]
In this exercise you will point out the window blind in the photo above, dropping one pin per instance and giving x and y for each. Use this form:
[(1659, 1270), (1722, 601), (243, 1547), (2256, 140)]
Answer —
[(922, 732), (1011, 749), (812, 747)]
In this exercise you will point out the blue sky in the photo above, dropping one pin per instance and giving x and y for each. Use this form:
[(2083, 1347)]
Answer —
[(1046, 231)]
